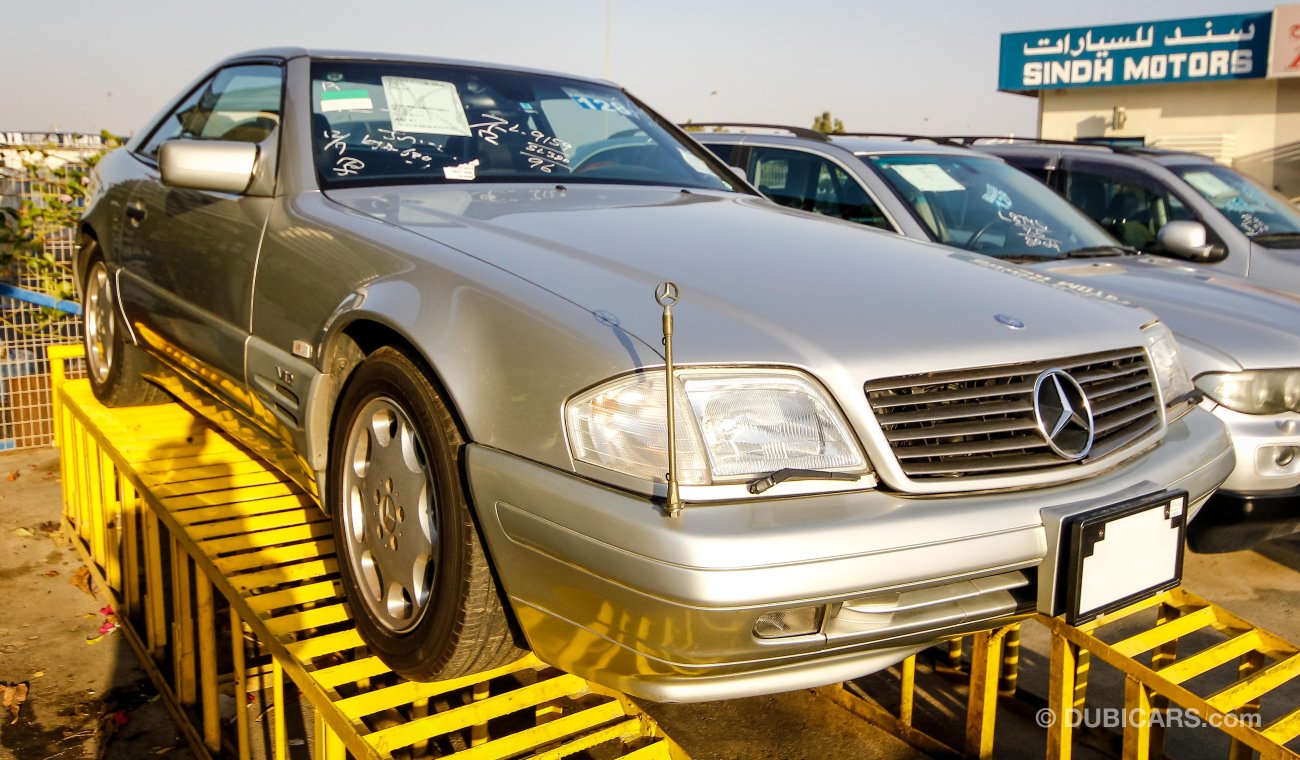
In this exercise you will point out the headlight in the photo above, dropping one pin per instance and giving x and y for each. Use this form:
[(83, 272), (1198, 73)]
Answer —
[(1265, 391), (1167, 363), (732, 426)]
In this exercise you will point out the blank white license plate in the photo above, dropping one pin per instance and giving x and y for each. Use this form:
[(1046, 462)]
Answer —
[(1124, 553)]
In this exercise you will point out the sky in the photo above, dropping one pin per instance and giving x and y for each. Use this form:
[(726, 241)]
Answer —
[(917, 66)]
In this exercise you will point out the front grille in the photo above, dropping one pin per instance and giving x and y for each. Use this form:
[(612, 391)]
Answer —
[(981, 421)]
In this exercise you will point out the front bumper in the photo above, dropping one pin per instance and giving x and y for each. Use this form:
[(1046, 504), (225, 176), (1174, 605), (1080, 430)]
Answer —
[(1267, 449), (606, 587)]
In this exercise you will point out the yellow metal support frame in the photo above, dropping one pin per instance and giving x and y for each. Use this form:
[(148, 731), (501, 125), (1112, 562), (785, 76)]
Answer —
[(196, 541), (1261, 662), (182, 525)]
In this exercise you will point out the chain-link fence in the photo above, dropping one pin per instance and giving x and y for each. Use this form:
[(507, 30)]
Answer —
[(31, 319), (28, 328)]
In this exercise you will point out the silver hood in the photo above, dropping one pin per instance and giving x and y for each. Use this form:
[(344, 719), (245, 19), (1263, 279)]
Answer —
[(1222, 321), (759, 283)]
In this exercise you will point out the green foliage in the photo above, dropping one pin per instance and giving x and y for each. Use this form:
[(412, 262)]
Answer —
[(825, 124), (51, 207)]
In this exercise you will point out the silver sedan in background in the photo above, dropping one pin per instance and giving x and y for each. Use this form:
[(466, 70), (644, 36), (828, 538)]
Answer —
[(1240, 340)]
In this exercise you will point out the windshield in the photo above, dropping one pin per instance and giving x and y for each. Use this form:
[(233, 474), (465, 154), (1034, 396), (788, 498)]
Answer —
[(376, 123), (984, 205), (1262, 215)]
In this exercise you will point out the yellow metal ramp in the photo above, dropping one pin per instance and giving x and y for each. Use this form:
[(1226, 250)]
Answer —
[(1186, 663), (224, 577), (1182, 637)]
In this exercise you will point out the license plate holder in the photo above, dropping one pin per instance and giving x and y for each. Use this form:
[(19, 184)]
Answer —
[(1123, 553)]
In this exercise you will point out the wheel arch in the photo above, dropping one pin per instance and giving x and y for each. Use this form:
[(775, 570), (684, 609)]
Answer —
[(350, 338), (350, 341), (85, 234), (368, 333)]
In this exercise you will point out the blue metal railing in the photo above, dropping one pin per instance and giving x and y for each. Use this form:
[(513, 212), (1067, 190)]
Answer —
[(40, 299)]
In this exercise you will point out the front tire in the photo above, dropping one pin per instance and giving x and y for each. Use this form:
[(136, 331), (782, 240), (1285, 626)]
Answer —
[(412, 564), (114, 364)]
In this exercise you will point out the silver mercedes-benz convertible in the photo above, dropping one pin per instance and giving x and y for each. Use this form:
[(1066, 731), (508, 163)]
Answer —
[(436, 295)]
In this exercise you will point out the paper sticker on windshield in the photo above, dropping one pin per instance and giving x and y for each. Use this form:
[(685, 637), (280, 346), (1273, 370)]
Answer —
[(425, 106), (1209, 185), (461, 171), (345, 100), (593, 102), (928, 178), (694, 161), (996, 197)]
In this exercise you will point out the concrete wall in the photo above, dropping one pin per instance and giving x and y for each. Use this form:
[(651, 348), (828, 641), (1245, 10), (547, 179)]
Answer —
[(1251, 124)]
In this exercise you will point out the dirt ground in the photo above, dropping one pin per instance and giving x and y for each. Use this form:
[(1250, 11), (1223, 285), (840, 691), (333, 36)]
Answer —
[(85, 696)]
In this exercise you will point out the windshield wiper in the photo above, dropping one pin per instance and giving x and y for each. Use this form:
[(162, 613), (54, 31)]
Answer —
[(790, 473), (1277, 236), (1092, 251), (1026, 258)]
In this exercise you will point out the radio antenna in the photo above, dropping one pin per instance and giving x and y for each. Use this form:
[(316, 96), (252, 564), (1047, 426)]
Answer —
[(666, 295)]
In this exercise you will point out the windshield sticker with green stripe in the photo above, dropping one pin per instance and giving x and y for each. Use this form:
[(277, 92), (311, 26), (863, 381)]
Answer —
[(345, 100)]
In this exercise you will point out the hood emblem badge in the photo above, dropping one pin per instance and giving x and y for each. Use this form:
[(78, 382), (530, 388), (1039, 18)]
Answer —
[(1063, 414), (1009, 321)]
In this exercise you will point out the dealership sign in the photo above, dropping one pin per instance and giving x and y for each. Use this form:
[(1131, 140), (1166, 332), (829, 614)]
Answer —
[(1234, 46), (1286, 42)]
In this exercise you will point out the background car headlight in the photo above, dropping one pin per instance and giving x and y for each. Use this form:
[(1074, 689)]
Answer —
[(1167, 363), (732, 426), (1266, 391)]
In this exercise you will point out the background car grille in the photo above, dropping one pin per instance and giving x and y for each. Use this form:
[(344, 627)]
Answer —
[(981, 421)]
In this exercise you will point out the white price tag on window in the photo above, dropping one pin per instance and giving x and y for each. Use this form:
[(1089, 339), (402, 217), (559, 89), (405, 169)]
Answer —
[(425, 106), (928, 178)]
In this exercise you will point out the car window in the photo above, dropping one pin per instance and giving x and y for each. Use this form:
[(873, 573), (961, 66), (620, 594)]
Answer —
[(1132, 207), (239, 103), (980, 203), (806, 181), (722, 150), (395, 123), (1262, 215)]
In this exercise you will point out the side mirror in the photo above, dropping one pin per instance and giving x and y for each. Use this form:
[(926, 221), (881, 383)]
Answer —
[(1187, 240), (224, 167), (739, 171)]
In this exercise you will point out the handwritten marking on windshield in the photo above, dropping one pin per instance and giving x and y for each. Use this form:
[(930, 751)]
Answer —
[(1033, 231), (348, 165)]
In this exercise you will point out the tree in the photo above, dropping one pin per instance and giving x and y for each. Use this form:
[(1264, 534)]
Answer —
[(55, 190), (828, 125)]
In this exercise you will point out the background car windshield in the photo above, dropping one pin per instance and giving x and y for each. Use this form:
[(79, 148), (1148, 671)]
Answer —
[(394, 123), (1256, 211), (984, 205)]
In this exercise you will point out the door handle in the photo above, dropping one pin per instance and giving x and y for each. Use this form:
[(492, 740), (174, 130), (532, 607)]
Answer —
[(135, 212)]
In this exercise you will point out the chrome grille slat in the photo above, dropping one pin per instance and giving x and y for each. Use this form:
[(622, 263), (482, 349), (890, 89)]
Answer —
[(1025, 406), (1132, 433), (1102, 390), (1108, 424), (962, 428), (1010, 389), (1110, 403), (960, 424), (1003, 372), (996, 445), (987, 465), (1097, 375)]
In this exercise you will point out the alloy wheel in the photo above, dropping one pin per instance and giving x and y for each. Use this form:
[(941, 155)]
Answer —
[(390, 530)]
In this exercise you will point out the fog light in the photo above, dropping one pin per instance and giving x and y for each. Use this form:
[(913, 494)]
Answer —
[(800, 621), (1278, 460)]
